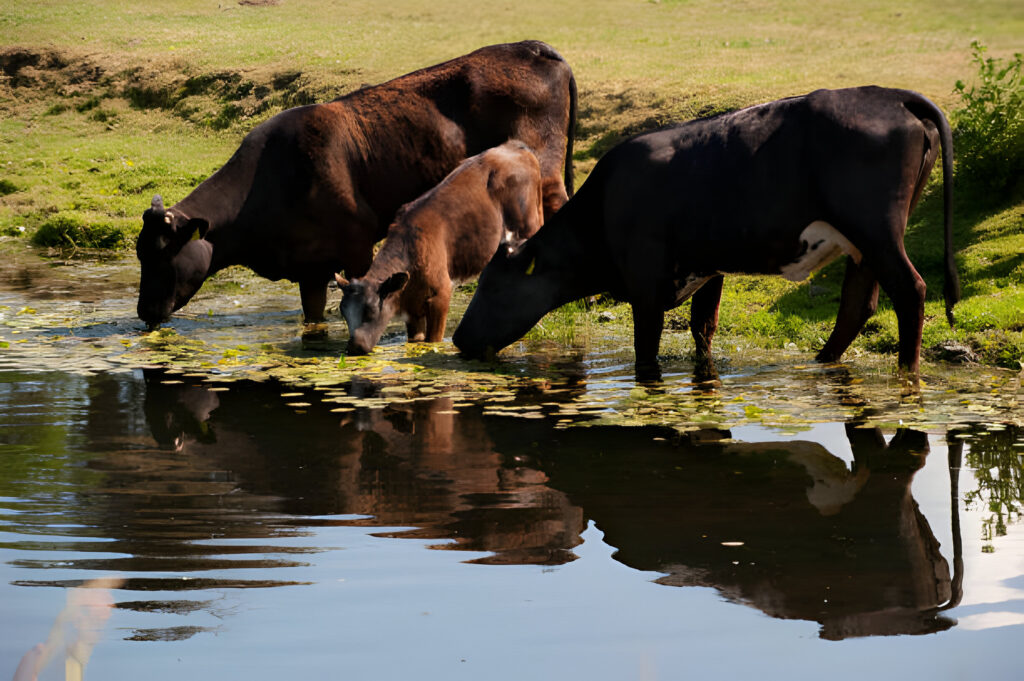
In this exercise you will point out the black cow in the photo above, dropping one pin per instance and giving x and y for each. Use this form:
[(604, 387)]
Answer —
[(311, 190), (780, 188)]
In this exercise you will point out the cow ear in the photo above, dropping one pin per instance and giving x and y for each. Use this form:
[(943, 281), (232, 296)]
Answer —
[(393, 284), (198, 226)]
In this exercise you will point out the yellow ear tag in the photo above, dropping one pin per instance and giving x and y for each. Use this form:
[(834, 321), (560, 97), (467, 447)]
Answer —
[(529, 270)]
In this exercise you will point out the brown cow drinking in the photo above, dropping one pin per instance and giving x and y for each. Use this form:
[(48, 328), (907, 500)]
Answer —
[(444, 237), (310, 191)]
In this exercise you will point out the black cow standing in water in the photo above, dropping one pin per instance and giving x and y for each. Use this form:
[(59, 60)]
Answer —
[(311, 190), (780, 188)]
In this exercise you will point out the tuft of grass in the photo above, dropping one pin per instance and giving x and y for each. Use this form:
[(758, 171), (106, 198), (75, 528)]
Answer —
[(70, 230), (568, 325)]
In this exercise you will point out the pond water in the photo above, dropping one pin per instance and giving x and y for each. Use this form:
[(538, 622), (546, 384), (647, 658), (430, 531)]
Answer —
[(251, 504)]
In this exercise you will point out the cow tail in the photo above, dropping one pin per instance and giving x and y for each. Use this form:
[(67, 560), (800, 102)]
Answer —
[(924, 108), (569, 135), (951, 286)]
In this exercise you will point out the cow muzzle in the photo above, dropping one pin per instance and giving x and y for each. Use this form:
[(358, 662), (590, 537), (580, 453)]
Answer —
[(358, 345), (151, 317)]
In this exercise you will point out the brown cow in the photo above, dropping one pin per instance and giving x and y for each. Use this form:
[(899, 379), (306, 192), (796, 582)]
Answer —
[(444, 237), (311, 190)]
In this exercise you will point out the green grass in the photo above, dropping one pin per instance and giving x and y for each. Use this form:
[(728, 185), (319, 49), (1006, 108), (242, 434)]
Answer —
[(120, 101)]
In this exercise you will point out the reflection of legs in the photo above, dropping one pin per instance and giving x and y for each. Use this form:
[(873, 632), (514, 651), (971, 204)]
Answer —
[(858, 302), (704, 315), (905, 452)]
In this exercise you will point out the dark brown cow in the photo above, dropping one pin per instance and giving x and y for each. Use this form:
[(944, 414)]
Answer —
[(442, 238), (311, 190), (780, 188)]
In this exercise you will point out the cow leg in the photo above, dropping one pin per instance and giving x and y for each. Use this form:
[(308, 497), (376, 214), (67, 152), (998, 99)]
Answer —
[(313, 293), (704, 315), (437, 315), (906, 289), (415, 329), (648, 320), (857, 303)]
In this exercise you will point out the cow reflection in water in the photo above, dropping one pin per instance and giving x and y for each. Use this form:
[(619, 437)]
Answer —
[(782, 526), (421, 465)]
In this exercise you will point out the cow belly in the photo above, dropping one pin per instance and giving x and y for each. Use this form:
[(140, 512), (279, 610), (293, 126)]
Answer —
[(821, 244)]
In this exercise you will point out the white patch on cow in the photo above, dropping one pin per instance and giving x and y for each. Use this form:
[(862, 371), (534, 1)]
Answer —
[(834, 485), (509, 237), (168, 217), (690, 286), (824, 244)]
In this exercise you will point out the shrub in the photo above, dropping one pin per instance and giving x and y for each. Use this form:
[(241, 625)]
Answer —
[(1001, 348), (66, 230), (989, 127)]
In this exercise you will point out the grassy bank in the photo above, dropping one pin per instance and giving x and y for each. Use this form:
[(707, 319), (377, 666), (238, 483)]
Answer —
[(103, 104)]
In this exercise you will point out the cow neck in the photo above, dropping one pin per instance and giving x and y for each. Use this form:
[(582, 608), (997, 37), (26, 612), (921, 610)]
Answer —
[(572, 244), (218, 240), (392, 258), (219, 200)]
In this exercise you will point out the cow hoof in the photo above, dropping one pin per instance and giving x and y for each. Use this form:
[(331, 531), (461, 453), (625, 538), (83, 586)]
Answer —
[(705, 374), (314, 330), (910, 385), (827, 358), (648, 372)]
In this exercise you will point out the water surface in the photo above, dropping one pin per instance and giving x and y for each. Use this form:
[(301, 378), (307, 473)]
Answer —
[(271, 510)]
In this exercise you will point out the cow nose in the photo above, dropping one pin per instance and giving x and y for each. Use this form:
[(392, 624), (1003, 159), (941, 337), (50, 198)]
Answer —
[(476, 352), (151, 316), (356, 348)]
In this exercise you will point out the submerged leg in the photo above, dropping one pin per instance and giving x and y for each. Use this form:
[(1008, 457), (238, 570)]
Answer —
[(648, 320), (857, 303), (704, 315), (906, 289), (313, 293)]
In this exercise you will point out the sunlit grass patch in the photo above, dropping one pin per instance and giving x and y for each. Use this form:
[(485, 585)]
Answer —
[(568, 325)]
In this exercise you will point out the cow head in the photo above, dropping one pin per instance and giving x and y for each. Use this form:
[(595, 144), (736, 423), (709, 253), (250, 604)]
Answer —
[(173, 265), (513, 293), (367, 307)]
